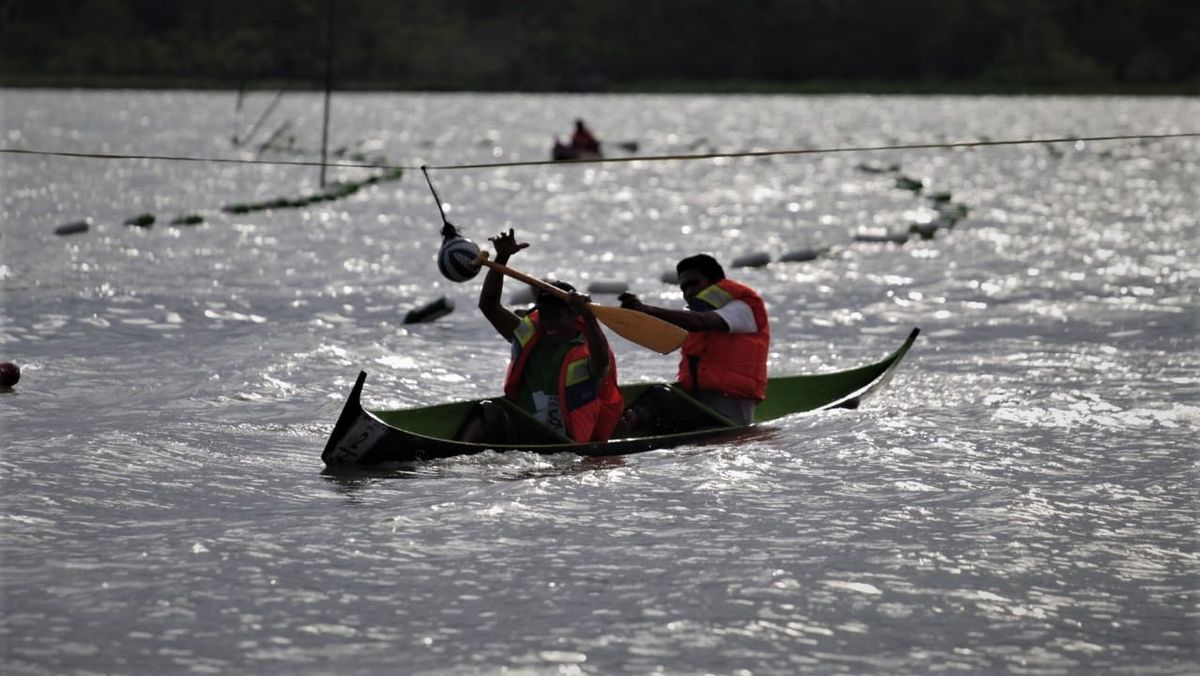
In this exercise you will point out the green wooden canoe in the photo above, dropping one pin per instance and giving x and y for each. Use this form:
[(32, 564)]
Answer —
[(363, 437)]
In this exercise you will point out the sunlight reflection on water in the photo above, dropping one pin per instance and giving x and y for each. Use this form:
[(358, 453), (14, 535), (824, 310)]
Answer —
[(1021, 497)]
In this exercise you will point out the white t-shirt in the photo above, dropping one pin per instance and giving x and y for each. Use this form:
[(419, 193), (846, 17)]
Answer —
[(738, 316)]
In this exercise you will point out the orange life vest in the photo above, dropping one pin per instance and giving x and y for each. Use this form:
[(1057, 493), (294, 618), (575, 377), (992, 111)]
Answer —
[(734, 364), (591, 409)]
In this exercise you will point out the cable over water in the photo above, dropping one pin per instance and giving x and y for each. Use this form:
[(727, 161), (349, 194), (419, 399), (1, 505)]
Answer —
[(608, 160), (818, 151)]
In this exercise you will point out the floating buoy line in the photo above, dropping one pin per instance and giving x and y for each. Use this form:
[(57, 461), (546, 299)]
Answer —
[(392, 172), (948, 213)]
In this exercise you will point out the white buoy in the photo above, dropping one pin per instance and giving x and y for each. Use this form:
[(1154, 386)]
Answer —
[(141, 221), (878, 167), (925, 230), (455, 257), (951, 211), (802, 255), (430, 311), (611, 286), (72, 228), (754, 260), (881, 235)]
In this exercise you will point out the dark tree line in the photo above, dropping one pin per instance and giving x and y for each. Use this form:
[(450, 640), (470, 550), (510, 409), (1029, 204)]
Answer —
[(606, 44)]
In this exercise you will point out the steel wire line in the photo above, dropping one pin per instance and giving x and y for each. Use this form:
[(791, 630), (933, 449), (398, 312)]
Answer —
[(605, 160)]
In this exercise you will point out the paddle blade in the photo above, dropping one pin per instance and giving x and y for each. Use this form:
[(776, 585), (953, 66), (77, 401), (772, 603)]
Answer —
[(639, 327)]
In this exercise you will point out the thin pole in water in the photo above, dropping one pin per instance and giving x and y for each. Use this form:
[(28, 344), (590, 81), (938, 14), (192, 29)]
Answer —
[(237, 110), (328, 87), (250, 133)]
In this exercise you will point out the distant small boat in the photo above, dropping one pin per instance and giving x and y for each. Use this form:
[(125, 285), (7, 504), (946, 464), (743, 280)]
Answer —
[(562, 151), (362, 437)]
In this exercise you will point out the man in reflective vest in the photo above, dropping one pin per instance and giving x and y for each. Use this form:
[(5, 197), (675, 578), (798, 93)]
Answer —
[(724, 359), (562, 374)]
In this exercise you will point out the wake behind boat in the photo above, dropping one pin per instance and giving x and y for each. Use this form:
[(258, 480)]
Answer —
[(363, 437)]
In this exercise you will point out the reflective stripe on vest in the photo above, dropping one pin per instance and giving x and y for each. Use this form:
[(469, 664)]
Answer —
[(524, 333), (715, 297), (578, 386), (590, 408)]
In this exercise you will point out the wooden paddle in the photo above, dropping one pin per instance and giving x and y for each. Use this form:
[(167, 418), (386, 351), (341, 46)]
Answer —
[(638, 327)]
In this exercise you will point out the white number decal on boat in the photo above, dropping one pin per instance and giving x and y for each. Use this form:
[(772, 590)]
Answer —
[(361, 436)]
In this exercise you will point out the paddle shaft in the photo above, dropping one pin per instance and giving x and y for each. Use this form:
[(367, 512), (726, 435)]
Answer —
[(482, 259), (638, 327)]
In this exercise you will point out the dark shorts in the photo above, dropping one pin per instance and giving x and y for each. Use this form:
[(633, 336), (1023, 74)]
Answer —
[(503, 425), (738, 409), (665, 410)]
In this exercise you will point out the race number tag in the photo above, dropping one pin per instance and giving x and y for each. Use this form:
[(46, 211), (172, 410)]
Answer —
[(548, 413), (358, 440)]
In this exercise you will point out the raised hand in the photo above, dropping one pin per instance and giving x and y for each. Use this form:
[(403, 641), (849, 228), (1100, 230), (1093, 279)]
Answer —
[(506, 244), (580, 303)]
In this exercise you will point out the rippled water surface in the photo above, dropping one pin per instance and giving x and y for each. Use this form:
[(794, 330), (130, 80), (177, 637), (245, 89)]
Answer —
[(1022, 497)]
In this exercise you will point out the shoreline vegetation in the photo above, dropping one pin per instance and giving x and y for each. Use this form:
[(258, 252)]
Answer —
[(1038, 47)]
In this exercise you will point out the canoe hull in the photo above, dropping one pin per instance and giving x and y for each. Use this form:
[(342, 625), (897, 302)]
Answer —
[(362, 437)]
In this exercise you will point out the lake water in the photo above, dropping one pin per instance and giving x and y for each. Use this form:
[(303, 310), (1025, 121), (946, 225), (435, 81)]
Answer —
[(1022, 498)]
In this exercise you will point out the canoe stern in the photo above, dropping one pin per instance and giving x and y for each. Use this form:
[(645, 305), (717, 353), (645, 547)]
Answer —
[(356, 432)]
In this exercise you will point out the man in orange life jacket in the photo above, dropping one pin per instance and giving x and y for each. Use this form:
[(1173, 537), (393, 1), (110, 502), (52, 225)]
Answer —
[(562, 372), (724, 359)]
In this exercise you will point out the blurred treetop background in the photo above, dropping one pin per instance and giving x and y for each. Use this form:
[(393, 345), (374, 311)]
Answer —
[(609, 45)]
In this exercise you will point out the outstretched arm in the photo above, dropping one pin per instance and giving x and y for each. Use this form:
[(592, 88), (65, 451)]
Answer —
[(501, 318), (599, 362), (684, 319)]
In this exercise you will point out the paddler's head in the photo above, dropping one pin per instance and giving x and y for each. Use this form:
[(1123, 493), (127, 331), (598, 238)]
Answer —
[(697, 273), (559, 321)]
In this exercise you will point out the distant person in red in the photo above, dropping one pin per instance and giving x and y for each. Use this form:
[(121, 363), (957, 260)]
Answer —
[(583, 140)]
